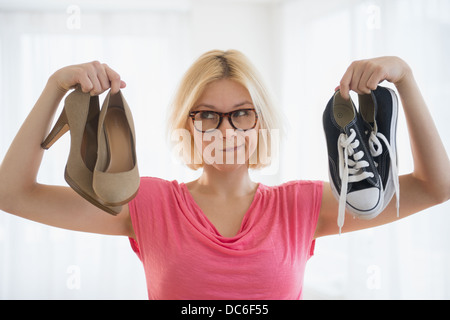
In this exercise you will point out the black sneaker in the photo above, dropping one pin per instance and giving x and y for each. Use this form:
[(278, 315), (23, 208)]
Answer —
[(379, 111), (353, 175)]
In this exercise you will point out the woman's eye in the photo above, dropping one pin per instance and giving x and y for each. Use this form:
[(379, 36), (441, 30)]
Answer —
[(207, 115), (240, 113)]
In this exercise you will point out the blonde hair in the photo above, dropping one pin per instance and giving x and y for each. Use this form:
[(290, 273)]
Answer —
[(216, 65)]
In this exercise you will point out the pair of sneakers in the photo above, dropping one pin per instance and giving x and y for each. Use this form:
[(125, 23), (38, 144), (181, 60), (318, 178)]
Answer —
[(362, 154)]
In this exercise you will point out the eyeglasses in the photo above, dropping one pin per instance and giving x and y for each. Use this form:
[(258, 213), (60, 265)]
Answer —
[(207, 121)]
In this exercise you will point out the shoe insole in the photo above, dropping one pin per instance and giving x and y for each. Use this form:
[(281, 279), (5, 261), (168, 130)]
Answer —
[(343, 114), (366, 108), (343, 110), (119, 141), (89, 143)]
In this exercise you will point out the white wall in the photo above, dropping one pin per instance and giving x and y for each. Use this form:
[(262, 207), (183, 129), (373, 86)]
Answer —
[(249, 26), (301, 47), (150, 44), (408, 259)]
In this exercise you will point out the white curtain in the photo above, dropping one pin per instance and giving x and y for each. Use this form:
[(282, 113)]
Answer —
[(149, 49), (409, 259), (302, 48)]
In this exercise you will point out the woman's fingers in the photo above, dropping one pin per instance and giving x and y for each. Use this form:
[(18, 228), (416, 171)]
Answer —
[(379, 74), (102, 76), (345, 83), (93, 77), (365, 75), (361, 77), (363, 87), (114, 79), (79, 77)]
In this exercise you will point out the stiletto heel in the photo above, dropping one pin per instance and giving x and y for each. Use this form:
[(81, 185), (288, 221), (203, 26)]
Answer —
[(59, 129)]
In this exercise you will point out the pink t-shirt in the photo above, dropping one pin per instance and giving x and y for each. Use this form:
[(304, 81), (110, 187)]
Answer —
[(185, 257)]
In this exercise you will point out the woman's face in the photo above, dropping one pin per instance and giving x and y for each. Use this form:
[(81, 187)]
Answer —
[(225, 148)]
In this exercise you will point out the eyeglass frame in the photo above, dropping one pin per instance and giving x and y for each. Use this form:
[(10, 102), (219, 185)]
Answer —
[(222, 115)]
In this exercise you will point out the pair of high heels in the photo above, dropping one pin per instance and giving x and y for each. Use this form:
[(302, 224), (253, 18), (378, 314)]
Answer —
[(102, 165)]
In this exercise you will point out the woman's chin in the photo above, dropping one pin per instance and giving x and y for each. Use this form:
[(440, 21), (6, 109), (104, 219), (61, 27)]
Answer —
[(227, 167)]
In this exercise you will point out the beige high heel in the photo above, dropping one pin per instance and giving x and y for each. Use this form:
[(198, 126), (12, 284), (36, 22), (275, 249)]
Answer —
[(80, 116), (116, 176)]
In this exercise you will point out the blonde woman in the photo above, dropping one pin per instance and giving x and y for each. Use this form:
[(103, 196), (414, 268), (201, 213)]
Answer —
[(222, 236)]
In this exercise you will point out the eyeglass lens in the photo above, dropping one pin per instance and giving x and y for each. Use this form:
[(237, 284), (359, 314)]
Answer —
[(209, 120)]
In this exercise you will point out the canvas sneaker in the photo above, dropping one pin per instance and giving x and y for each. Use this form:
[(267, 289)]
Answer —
[(379, 111), (354, 177)]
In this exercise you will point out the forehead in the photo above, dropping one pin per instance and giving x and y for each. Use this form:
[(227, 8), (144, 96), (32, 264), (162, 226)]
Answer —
[(223, 95)]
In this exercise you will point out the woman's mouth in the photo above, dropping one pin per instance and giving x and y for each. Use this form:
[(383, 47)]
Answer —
[(231, 149)]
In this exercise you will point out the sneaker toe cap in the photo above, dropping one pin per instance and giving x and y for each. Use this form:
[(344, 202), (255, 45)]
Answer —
[(365, 202)]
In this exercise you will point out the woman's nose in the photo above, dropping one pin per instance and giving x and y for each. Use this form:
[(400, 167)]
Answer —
[(226, 126)]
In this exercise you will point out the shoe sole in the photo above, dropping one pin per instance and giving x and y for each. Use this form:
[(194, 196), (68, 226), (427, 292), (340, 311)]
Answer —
[(389, 192), (86, 196), (390, 188), (352, 211)]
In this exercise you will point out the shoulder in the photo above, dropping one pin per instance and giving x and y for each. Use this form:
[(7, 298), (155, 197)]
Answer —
[(296, 203), (152, 181), (297, 195), (295, 187), (152, 184), (154, 190), (155, 195)]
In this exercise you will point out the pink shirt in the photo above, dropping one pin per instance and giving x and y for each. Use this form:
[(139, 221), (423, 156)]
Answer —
[(185, 257)]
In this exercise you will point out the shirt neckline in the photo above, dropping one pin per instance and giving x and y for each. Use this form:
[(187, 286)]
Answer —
[(242, 229)]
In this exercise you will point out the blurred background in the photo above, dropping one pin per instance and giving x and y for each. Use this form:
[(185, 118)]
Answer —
[(301, 47)]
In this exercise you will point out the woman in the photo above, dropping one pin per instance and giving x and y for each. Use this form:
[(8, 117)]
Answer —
[(221, 236)]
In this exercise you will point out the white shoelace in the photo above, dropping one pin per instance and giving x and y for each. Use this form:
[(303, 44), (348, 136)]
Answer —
[(376, 149), (349, 170)]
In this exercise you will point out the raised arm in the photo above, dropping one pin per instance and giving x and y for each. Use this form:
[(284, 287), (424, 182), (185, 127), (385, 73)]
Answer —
[(22, 195), (429, 183)]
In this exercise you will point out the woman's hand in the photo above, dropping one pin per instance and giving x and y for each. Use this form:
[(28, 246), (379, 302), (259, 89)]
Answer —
[(365, 75), (93, 77)]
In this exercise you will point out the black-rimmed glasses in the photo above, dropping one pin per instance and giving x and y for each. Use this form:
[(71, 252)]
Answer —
[(207, 121)]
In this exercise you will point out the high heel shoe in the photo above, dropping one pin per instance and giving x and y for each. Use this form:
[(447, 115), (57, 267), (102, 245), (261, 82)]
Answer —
[(116, 176), (80, 116)]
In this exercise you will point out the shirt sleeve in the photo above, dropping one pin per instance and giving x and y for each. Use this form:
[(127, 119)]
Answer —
[(142, 208), (317, 191), (136, 208)]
